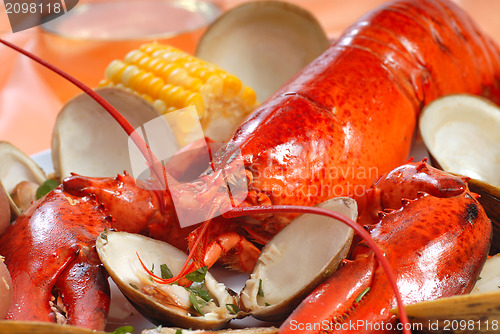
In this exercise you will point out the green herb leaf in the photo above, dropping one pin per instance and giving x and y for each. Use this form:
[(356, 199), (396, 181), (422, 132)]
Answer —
[(267, 304), (134, 286), (165, 272), (178, 331), (123, 330), (46, 187), (195, 303), (204, 294), (232, 308), (362, 294), (198, 275), (261, 291)]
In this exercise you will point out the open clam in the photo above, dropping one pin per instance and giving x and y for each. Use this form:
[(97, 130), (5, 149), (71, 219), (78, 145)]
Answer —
[(462, 137), (88, 141), (461, 133), (478, 312), (264, 43), (18, 171), (296, 260), (207, 305)]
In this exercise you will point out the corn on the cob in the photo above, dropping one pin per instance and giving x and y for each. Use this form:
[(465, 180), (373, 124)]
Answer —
[(171, 79)]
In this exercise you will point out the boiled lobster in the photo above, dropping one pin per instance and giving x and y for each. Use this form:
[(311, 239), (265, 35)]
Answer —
[(346, 118)]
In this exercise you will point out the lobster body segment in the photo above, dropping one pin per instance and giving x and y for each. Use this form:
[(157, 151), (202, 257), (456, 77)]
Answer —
[(436, 244), (350, 116)]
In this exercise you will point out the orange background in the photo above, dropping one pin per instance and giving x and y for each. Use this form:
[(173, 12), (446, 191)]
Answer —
[(30, 102)]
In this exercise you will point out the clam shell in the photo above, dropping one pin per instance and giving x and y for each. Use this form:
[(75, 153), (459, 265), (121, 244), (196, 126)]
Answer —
[(119, 253), (462, 137), (458, 314), (88, 141), (264, 43), (34, 327), (478, 312), (15, 168), (461, 133), (296, 260)]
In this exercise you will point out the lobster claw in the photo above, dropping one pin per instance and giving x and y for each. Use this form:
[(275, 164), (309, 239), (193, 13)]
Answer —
[(44, 286), (83, 286), (436, 247)]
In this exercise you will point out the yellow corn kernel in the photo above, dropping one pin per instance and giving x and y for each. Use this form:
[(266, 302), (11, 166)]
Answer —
[(134, 56), (173, 95), (154, 87), (178, 77), (160, 106), (214, 86), (232, 85), (166, 70), (248, 96), (128, 74), (140, 80), (171, 79), (196, 99), (115, 70)]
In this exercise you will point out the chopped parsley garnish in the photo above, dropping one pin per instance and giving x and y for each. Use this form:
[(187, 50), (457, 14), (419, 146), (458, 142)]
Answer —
[(198, 296), (197, 303), (165, 272), (123, 330), (46, 187), (198, 275), (232, 308), (261, 291)]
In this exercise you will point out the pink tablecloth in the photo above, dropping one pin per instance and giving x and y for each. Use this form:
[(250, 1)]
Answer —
[(28, 106)]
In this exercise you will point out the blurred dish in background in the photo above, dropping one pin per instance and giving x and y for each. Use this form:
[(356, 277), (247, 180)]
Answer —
[(83, 41)]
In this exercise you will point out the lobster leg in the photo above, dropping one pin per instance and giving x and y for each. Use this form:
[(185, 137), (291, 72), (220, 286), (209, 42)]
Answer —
[(134, 207), (223, 240)]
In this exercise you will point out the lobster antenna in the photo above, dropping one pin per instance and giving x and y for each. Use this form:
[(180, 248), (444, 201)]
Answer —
[(243, 211), (152, 161)]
